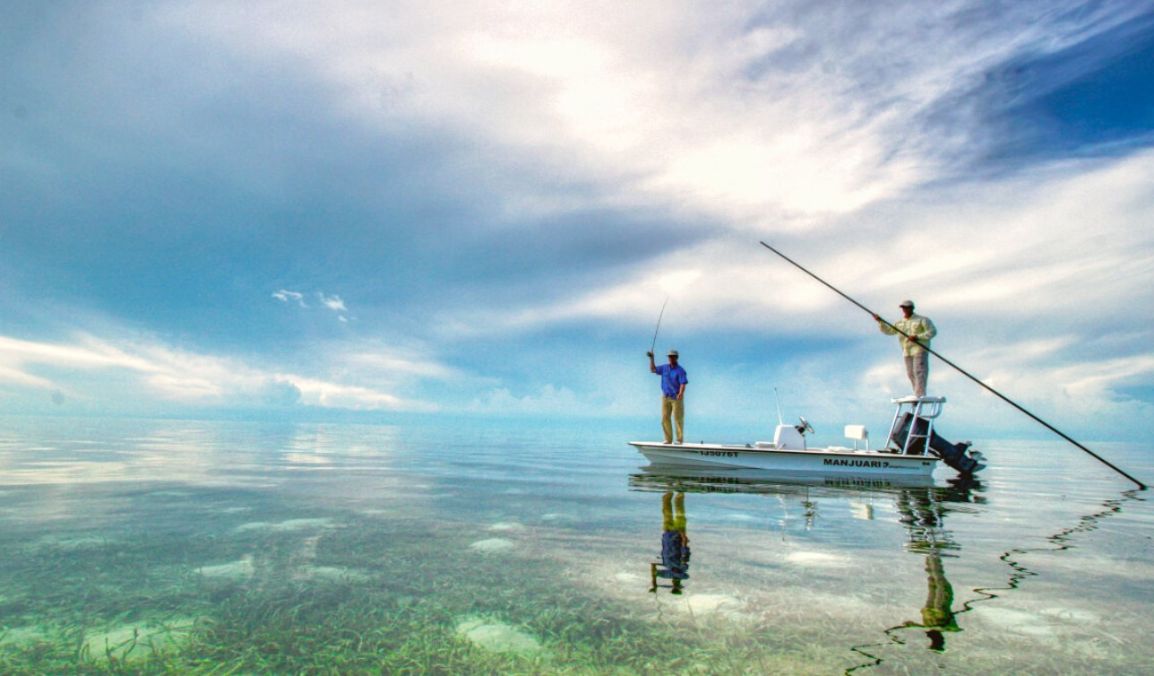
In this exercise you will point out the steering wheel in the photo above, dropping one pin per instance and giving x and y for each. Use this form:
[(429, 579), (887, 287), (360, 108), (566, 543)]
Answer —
[(805, 426)]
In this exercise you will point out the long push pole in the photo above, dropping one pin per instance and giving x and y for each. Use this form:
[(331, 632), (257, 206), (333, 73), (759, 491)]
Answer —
[(959, 369)]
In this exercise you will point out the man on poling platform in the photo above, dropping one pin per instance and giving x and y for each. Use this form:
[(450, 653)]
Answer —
[(920, 330)]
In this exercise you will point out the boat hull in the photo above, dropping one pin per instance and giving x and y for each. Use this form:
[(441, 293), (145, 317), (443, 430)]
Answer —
[(824, 461), (663, 478)]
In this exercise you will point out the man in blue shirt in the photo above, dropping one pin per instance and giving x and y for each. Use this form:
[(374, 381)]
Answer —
[(673, 382)]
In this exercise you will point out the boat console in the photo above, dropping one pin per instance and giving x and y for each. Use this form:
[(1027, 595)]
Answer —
[(789, 437)]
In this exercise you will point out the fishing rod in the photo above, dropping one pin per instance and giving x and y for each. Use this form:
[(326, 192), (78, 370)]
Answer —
[(659, 316), (959, 369)]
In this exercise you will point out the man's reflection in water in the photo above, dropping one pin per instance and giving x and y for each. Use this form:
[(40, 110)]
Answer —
[(923, 516), (674, 563)]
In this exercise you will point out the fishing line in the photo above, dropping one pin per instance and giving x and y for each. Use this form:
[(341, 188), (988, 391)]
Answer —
[(959, 369)]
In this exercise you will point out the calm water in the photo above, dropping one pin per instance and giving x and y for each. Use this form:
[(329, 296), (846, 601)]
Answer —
[(239, 547)]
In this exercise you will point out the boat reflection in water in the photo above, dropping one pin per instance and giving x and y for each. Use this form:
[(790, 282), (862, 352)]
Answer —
[(921, 506)]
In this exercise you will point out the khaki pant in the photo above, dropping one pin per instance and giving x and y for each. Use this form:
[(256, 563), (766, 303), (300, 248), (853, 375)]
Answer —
[(673, 519), (672, 406), (918, 370)]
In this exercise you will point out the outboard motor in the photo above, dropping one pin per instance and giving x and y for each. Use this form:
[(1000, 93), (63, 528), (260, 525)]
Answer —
[(957, 456)]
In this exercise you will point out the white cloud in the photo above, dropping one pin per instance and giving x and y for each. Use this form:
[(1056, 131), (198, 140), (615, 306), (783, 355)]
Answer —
[(545, 400), (286, 296), (333, 302), (809, 130), (1067, 250), (1041, 286), (151, 371), (15, 375), (799, 128), (386, 363), (800, 113), (328, 394)]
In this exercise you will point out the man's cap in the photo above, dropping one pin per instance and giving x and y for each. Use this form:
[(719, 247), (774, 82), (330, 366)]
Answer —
[(906, 303), (673, 353)]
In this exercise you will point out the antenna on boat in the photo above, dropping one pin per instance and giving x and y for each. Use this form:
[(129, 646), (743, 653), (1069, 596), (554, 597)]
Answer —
[(780, 420), (959, 369)]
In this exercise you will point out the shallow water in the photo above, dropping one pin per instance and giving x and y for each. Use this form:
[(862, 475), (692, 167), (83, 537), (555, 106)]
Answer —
[(247, 547)]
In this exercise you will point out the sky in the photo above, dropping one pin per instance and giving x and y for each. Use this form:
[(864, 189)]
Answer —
[(474, 212)]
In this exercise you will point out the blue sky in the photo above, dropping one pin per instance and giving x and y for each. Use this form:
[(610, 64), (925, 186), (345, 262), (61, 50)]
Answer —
[(421, 211)]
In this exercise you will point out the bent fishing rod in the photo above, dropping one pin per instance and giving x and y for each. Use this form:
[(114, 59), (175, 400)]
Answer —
[(659, 316), (959, 369)]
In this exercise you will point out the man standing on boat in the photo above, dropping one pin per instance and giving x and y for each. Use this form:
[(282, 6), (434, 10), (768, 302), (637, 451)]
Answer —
[(673, 382), (918, 332)]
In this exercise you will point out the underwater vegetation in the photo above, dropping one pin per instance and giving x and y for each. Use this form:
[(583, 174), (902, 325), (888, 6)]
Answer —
[(514, 565), (336, 594), (339, 593), (264, 592)]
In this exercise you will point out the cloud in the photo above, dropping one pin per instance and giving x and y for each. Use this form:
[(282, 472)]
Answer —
[(286, 296), (499, 185), (333, 303), (548, 399), (386, 363), (984, 250), (281, 393), (1038, 283), (1091, 98), (802, 109), (146, 372)]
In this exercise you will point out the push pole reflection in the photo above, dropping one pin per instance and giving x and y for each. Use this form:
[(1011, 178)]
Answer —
[(922, 513), (674, 564)]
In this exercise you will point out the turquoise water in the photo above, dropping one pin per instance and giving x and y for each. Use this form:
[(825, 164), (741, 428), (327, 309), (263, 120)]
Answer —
[(161, 546)]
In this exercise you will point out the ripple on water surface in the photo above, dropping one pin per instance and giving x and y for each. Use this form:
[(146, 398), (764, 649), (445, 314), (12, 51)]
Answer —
[(516, 558)]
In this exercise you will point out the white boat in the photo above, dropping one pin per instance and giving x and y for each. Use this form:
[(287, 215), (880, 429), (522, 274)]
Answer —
[(912, 449)]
